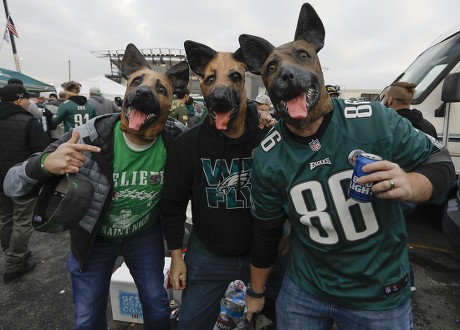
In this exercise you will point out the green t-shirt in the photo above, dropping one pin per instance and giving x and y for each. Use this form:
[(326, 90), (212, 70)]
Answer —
[(138, 181), (346, 252)]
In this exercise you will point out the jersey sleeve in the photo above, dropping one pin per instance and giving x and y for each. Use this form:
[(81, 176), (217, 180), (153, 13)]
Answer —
[(267, 203), (267, 210), (409, 147), (60, 114)]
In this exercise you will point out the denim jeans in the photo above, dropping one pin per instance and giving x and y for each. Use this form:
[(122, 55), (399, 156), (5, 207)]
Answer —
[(207, 279), (296, 309), (144, 256)]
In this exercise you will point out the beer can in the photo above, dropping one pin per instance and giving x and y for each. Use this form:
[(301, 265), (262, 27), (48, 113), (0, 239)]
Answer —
[(362, 193)]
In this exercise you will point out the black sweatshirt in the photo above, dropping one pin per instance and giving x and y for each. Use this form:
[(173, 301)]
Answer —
[(214, 171), (416, 118)]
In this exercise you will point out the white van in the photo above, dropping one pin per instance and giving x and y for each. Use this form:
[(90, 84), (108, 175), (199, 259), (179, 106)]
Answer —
[(437, 74), (429, 71)]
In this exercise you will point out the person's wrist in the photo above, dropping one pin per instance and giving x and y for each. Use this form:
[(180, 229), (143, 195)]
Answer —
[(254, 294), (42, 163)]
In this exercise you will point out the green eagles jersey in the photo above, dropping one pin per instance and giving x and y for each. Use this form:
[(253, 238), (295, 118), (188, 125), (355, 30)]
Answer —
[(138, 181), (349, 253), (73, 114)]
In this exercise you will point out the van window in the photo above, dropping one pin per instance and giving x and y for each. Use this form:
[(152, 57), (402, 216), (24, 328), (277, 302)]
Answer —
[(430, 68)]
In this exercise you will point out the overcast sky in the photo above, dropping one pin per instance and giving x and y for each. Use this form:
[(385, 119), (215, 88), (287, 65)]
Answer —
[(368, 43)]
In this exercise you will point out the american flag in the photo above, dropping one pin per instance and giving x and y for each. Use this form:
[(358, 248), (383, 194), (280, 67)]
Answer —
[(10, 26)]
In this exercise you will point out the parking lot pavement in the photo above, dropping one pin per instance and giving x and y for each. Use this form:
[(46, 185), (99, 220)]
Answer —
[(436, 302), (43, 298)]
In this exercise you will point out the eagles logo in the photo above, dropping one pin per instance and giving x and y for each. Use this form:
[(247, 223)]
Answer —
[(232, 182)]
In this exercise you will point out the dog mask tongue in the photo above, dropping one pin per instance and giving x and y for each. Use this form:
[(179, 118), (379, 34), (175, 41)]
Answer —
[(222, 119), (136, 118), (297, 107)]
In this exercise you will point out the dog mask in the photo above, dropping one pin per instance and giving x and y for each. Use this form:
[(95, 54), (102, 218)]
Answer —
[(149, 94), (292, 72), (221, 82)]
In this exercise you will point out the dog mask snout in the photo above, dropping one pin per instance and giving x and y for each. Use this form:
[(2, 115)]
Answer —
[(223, 99), (287, 74), (140, 93)]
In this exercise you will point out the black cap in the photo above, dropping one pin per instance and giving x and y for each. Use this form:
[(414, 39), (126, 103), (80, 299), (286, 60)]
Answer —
[(13, 92), (62, 202), (332, 90)]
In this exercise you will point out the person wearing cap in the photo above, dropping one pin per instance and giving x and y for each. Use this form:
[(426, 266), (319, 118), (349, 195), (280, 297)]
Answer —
[(52, 97), (264, 103), (33, 108), (20, 136), (332, 90), (178, 108), (100, 103), (76, 111)]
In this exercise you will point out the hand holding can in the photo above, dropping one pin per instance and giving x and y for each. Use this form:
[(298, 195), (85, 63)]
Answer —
[(362, 193)]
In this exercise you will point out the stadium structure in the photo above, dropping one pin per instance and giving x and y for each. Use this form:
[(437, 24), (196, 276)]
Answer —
[(160, 59)]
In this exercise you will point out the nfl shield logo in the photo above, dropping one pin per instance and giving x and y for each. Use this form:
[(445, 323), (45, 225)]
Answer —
[(155, 178), (315, 145)]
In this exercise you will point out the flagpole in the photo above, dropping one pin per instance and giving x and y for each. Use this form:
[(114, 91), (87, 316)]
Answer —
[(13, 44)]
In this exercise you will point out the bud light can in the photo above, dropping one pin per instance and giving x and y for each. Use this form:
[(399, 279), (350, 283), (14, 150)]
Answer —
[(362, 193)]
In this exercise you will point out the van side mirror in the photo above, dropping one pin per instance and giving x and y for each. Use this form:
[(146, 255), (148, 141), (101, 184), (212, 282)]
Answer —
[(441, 111), (451, 88), (450, 94)]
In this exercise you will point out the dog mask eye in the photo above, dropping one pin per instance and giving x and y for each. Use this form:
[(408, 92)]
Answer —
[(272, 68), (236, 77), (136, 81), (160, 88), (209, 80), (305, 55)]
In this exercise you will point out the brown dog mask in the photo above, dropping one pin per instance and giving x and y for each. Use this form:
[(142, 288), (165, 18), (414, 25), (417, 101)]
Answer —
[(292, 72), (149, 94), (221, 82)]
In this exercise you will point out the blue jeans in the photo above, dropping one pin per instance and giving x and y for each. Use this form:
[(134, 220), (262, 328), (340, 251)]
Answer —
[(296, 309), (207, 279), (144, 256)]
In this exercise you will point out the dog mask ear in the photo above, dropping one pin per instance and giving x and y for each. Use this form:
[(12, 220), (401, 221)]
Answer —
[(254, 51), (310, 27), (132, 61), (178, 74), (238, 55), (198, 56)]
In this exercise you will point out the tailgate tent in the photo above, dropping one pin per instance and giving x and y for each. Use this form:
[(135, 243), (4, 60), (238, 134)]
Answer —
[(32, 85), (109, 88)]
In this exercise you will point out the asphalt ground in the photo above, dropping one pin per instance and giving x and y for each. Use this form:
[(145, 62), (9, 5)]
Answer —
[(42, 299)]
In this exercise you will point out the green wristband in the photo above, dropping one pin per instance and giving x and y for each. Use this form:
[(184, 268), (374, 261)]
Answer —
[(42, 162)]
